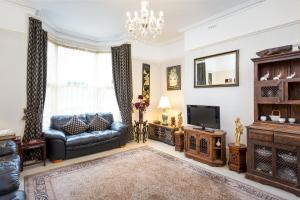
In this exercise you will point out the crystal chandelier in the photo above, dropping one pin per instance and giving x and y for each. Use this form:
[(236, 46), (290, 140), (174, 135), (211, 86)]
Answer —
[(144, 25)]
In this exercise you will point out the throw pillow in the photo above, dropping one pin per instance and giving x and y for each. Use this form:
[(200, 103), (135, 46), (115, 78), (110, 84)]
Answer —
[(74, 126), (98, 123)]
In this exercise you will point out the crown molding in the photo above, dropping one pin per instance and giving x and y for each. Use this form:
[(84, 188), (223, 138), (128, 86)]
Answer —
[(295, 22), (229, 12), (63, 34), (23, 5)]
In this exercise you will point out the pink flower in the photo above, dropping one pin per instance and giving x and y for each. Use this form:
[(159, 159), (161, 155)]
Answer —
[(141, 104)]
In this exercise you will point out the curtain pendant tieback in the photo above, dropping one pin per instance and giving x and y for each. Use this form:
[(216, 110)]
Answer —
[(32, 114)]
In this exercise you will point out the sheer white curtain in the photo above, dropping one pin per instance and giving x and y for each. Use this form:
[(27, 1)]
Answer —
[(78, 82)]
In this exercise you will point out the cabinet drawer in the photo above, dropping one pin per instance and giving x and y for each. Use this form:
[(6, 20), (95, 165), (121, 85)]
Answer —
[(288, 139), (261, 135)]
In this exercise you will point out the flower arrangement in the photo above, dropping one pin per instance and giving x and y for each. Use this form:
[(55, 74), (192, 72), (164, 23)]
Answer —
[(141, 104)]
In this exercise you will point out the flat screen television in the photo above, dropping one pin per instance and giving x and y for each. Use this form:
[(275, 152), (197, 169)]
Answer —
[(204, 116)]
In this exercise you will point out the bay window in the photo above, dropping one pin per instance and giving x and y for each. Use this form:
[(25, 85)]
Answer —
[(78, 82)]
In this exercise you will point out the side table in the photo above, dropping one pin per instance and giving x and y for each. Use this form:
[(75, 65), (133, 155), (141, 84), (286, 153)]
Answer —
[(30, 145), (179, 140), (18, 142), (237, 157)]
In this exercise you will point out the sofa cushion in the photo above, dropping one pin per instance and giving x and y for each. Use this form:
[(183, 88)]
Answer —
[(98, 123), (7, 147), (9, 173), (58, 121), (75, 126), (92, 137), (106, 115)]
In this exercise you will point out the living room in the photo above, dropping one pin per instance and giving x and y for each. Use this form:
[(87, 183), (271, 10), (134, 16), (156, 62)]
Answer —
[(100, 100)]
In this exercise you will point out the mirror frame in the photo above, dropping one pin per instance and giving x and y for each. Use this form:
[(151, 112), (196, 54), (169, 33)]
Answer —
[(220, 85)]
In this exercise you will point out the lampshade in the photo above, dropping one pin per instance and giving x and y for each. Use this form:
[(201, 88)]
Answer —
[(164, 102)]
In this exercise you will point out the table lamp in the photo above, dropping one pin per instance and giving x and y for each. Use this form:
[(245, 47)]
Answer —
[(164, 103)]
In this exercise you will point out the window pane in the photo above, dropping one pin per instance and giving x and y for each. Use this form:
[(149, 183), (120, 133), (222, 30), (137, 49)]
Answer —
[(79, 82)]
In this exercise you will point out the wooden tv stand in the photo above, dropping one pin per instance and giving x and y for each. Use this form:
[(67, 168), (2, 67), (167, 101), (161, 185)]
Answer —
[(201, 145)]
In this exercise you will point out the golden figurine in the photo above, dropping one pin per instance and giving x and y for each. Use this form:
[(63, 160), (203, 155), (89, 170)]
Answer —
[(180, 121), (173, 121), (238, 131)]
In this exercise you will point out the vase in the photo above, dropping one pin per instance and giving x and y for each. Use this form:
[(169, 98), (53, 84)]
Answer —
[(218, 144), (140, 116)]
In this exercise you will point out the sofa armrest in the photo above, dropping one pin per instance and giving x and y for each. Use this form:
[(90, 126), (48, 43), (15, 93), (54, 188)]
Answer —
[(120, 127), (7, 147), (54, 134)]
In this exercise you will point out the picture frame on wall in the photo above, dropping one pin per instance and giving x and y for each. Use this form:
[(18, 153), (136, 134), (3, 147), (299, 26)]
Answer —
[(174, 78), (146, 81)]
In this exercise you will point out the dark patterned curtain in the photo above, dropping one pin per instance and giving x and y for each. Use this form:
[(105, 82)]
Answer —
[(122, 75), (36, 80), (201, 73)]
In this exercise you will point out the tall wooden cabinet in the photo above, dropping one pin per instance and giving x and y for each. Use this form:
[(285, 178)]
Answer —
[(273, 154)]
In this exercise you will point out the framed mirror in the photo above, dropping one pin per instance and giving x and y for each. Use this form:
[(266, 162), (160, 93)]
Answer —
[(219, 70)]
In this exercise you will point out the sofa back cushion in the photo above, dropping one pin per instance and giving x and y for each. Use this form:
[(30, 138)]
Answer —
[(75, 126), (105, 115), (98, 123), (58, 121)]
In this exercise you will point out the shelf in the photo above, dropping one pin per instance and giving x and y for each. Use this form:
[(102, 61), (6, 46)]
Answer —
[(217, 148), (277, 123), (271, 101), (274, 82), (292, 80), (268, 82)]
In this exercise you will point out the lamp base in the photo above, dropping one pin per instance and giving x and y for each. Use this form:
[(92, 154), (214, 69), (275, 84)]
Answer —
[(164, 119)]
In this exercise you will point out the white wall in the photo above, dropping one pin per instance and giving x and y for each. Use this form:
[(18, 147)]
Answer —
[(175, 96), (235, 101), (13, 54), (265, 15), (13, 17), (137, 63), (172, 54), (144, 53), (12, 79)]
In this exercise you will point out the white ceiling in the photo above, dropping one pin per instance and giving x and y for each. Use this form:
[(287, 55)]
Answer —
[(104, 20)]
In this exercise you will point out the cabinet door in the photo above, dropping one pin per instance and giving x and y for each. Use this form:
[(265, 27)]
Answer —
[(263, 159), (204, 145), (191, 142), (270, 91), (287, 165)]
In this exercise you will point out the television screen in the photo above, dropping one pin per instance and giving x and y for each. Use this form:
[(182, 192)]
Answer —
[(207, 116)]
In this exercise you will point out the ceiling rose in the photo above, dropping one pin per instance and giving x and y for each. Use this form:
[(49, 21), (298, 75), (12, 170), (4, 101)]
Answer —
[(144, 25)]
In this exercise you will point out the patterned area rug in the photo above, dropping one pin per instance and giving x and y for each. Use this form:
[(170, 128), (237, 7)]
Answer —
[(143, 173)]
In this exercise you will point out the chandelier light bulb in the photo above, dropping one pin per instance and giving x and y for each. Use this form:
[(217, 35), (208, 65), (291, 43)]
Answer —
[(128, 14), (151, 13), (161, 13)]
